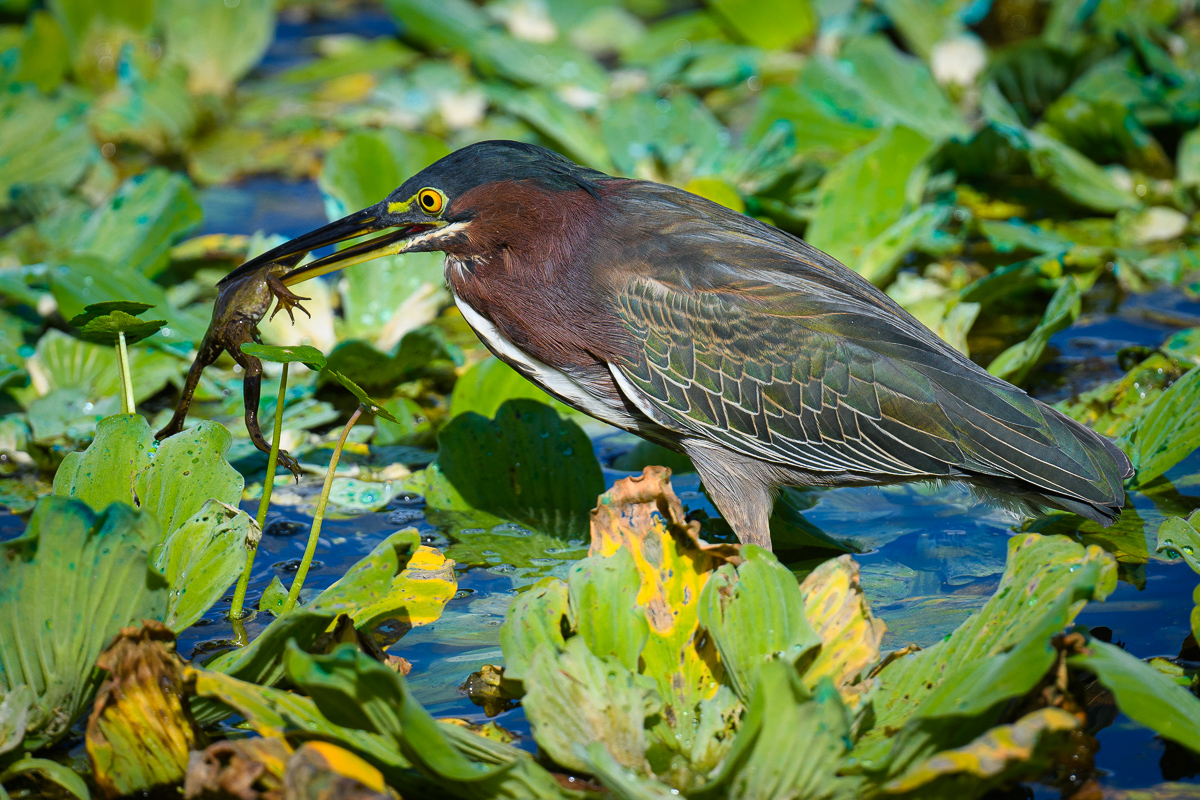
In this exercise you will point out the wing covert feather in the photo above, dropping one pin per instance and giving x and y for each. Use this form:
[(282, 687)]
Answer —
[(816, 381)]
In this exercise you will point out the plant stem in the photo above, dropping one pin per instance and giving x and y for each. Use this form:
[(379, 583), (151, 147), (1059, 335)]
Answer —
[(127, 406), (239, 594), (315, 532)]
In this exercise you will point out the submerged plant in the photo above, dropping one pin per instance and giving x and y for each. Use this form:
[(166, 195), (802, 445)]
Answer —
[(116, 323), (365, 403), (314, 359)]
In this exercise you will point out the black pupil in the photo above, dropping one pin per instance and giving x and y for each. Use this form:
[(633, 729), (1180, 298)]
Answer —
[(428, 201)]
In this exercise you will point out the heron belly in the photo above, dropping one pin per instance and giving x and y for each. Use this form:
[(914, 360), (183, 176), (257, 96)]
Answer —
[(556, 382)]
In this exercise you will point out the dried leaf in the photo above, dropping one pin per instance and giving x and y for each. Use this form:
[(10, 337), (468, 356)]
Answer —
[(140, 731)]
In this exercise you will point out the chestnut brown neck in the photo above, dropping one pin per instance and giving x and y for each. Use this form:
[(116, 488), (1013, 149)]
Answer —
[(526, 269)]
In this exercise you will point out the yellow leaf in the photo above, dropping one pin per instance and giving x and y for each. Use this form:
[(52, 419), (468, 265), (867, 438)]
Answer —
[(850, 635), (417, 596), (643, 515), (990, 754)]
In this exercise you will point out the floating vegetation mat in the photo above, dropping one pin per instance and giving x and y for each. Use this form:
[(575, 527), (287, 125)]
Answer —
[(468, 589)]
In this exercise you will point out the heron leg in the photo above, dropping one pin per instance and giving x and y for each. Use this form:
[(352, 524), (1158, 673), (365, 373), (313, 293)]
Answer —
[(739, 487), (251, 393), (208, 353)]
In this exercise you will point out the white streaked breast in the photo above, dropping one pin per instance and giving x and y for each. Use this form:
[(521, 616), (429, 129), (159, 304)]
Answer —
[(554, 381)]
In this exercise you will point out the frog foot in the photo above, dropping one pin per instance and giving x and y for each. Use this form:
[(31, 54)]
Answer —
[(287, 299), (290, 464)]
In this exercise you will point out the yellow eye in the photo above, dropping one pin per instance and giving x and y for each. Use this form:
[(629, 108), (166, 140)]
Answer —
[(430, 201)]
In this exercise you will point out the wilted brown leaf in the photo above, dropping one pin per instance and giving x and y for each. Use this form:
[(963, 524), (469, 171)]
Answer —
[(245, 769), (324, 771), (140, 730)]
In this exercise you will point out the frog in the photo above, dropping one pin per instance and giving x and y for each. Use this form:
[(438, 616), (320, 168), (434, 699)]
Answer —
[(243, 299)]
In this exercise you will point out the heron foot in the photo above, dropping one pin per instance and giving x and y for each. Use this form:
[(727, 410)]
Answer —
[(288, 299)]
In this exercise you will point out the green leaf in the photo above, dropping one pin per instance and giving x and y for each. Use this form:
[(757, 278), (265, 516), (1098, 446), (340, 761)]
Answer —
[(1169, 430), (188, 470), (1001, 651), (384, 300), (108, 328), (770, 24), (1015, 363), (565, 126), (873, 83), (1059, 164), (80, 281), (354, 689), (82, 17), (1143, 693), (818, 129), (1179, 537), (1005, 753), (43, 142), (624, 784), (925, 23), (274, 597), (14, 716), (366, 402), (755, 615), (1106, 131), (45, 57), (67, 586), (459, 26), (155, 113), (201, 559), (310, 357), (97, 310), (261, 661), (148, 214), (353, 55), (528, 465), (880, 259), (275, 712), (485, 386), (534, 621), (399, 582), (59, 774), (865, 193), (605, 589), (790, 743), (107, 471), (575, 698), (417, 354), (235, 36), (413, 428), (1188, 163), (681, 131)]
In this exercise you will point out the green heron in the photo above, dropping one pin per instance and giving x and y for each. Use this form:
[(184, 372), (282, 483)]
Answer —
[(763, 359)]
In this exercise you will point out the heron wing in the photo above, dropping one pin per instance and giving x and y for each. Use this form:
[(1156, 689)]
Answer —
[(833, 377)]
